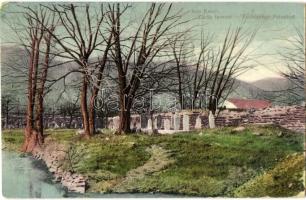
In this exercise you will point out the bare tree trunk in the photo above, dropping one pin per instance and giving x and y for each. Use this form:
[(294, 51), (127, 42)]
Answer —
[(39, 119), (125, 118), (92, 114), (84, 109), (180, 87), (40, 93), (35, 28), (29, 111)]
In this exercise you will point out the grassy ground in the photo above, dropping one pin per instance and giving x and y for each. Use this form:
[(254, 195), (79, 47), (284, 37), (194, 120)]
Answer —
[(257, 161)]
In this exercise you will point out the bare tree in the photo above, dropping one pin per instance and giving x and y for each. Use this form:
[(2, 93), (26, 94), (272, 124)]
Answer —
[(37, 46), (229, 61), (200, 72), (41, 79), (134, 55), (182, 52), (294, 57), (79, 40), (35, 33), (212, 68)]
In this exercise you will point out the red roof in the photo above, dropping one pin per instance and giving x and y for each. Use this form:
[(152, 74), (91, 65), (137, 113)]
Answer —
[(250, 103)]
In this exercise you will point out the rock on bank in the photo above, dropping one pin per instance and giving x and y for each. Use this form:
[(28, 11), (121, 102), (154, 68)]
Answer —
[(53, 154)]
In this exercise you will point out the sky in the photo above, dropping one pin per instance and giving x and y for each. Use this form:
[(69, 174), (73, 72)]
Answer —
[(276, 23)]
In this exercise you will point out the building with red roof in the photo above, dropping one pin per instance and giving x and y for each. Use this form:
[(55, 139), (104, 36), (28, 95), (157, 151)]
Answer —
[(246, 104)]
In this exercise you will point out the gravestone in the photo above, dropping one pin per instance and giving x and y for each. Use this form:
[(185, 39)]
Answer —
[(138, 124), (158, 122), (167, 124), (150, 124), (172, 121), (176, 122), (211, 120), (55, 125), (186, 126), (116, 123), (144, 121), (110, 123), (155, 124), (198, 124)]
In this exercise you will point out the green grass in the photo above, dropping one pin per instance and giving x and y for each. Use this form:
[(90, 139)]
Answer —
[(117, 155), (283, 180), (218, 162), (61, 135), (12, 139)]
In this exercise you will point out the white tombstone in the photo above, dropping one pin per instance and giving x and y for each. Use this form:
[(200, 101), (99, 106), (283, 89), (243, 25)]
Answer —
[(167, 124), (176, 122), (198, 124), (150, 124), (116, 121), (172, 121), (211, 120), (150, 127), (56, 125), (186, 126), (154, 123)]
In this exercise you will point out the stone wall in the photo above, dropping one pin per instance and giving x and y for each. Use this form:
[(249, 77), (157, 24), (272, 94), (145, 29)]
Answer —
[(290, 117), (56, 121)]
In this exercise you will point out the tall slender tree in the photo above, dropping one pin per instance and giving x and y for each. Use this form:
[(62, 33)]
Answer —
[(35, 33), (41, 83)]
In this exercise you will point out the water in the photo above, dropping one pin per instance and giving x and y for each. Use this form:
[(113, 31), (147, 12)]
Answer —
[(24, 177)]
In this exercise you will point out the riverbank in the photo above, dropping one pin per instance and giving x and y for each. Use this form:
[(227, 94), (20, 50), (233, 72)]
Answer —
[(55, 156), (220, 162)]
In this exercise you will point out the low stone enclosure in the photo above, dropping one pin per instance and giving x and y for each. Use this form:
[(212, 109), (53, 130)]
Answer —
[(289, 117)]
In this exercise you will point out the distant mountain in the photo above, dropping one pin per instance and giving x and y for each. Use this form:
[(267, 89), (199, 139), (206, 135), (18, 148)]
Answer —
[(274, 90), (14, 75), (14, 70), (245, 90), (272, 84)]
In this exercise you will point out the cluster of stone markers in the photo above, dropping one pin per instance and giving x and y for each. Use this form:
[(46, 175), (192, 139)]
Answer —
[(290, 117)]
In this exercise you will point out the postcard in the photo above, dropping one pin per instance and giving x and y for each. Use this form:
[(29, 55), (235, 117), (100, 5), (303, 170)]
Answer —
[(152, 99)]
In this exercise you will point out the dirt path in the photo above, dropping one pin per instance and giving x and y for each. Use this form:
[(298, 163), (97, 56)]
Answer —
[(159, 160)]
